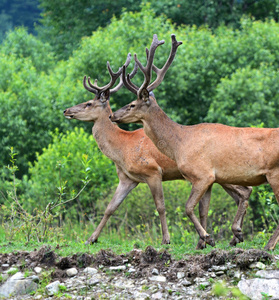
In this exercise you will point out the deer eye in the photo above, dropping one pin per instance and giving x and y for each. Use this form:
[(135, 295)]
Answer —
[(132, 105), (88, 104)]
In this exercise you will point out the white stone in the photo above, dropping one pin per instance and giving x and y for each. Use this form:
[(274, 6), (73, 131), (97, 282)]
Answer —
[(157, 295), (257, 265), (186, 282), (180, 275), (158, 278), (37, 270), (17, 285), (155, 271), (272, 274), (132, 270), (71, 272), (53, 288), (253, 288), (118, 268), (90, 271)]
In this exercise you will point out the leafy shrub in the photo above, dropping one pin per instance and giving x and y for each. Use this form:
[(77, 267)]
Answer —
[(63, 166), (248, 98)]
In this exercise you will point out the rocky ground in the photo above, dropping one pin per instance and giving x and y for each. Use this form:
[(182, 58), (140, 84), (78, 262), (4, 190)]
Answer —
[(139, 274)]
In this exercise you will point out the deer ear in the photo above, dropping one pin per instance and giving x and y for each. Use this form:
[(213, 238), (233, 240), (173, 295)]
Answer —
[(105, 96), (144, 95)]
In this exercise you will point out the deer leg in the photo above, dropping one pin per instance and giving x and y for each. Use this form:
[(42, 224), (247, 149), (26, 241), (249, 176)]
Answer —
[(123, 189), (203, 212), (199, 187), (240, 194), (273, 181), (155, 185)]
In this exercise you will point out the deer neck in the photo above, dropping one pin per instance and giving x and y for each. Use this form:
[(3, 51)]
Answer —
[(161, 130), (106, 135)]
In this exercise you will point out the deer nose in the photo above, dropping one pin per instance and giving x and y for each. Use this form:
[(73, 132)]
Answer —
[(110, 116), (64, 111)]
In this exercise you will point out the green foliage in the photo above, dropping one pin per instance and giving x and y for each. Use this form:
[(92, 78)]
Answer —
[(67, 22), (63, 168), (215, 13), (249, 98), (14, 13), (20, 44)]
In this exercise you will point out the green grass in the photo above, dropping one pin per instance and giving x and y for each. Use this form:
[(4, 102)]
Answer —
[(73, 242)]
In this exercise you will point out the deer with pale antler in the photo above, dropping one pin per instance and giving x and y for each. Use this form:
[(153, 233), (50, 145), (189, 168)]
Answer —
[(136, 158), (205, 153)]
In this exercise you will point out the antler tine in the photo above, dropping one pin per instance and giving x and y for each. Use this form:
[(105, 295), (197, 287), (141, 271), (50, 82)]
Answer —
[(128, 84), (147, 70), (113, 78), (91, 88), (161, 72), (120, 84)]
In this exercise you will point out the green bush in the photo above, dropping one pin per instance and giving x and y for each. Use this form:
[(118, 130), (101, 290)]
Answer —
[(62, 168), (248, 98)]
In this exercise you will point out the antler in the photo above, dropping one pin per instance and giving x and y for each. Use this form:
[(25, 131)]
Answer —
[(94, 88), (150, 66)]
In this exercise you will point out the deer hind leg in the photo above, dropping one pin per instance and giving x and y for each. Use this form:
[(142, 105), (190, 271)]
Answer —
[(241, 195), (123, 189), (273, 181), (203, 212), (156, 188), (199, 187)]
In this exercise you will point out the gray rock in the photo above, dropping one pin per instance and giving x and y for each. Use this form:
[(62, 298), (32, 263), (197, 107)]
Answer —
[(5, 266), (158, 278), (90, 271), (180, 275), (157, 295), (253, 288), (272, 274), (155, 271), (53, 288), (219, 273), (219, 268), (257, 265), (17, 285), (132, 270), (118, 268), (71, 272), (186, 282), (37, 270)]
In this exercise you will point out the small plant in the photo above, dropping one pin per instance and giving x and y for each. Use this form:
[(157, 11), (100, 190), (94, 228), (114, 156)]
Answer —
[(13, 272), (201, 287), (26, 273), (62, 288), (145, 288), (265, 296), (211, 280)]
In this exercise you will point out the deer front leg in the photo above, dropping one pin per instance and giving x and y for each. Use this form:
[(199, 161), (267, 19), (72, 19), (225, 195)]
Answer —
[(273, 181), (199, 187), (123, 189), (241, 195), (155, 185), (203, 212)]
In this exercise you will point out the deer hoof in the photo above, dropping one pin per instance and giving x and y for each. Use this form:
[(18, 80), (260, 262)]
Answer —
[(210, 241), (201, 245), (91, 241), (239, 236), (234, 241), (165, 242)]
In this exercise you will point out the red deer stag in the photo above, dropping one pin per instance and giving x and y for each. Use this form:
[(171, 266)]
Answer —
[(204, 153), (136, 158)]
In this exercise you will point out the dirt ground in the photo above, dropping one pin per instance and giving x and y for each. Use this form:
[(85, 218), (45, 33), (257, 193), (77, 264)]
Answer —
[(144, 261)]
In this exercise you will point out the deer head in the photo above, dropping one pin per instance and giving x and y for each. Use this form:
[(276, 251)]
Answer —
[(89, 111), (136, 110)]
